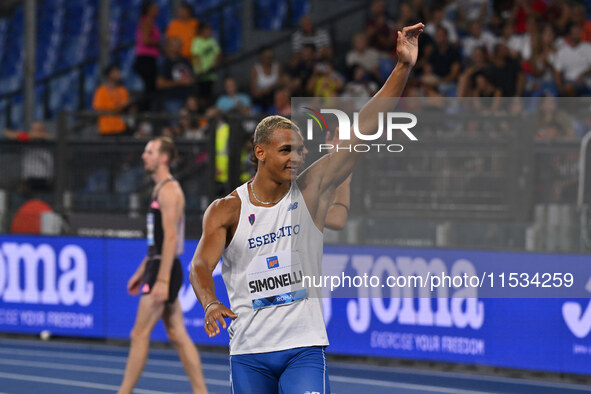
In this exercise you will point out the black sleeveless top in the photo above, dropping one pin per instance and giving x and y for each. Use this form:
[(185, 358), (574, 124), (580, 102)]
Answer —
[(155, 232)]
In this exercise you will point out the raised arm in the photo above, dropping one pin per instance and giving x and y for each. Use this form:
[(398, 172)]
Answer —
[(217, 222), (340, 203), (336, 218), (337, 166)]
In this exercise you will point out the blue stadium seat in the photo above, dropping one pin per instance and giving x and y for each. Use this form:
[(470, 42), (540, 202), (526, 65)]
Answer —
[(201, 6), (3, 39), (270, 14), (299, 8), (12, 60), (66, 36), (165, 14), (232, 28), (279, 14)]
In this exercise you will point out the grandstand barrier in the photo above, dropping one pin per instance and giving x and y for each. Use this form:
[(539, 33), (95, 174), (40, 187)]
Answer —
[(76, 287)]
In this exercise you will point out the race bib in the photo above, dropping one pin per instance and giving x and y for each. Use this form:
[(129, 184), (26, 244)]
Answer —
[(275, 279), (150, 228)]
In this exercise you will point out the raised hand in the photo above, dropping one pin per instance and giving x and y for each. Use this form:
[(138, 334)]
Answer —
[(407, 47)]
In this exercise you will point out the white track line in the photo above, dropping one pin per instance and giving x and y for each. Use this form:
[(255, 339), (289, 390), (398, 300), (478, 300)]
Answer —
[(407, 386), (334, 378), (80, 356), (110, 371), (408, 371), (465, 376), (123, 349), (73, 383)]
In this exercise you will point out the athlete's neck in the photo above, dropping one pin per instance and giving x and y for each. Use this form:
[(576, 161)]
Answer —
[(160, 175), (268, 190)]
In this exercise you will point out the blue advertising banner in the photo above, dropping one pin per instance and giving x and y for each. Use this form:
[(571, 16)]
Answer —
[(77, 287), (53, 284), (123, 256), (530, 333)]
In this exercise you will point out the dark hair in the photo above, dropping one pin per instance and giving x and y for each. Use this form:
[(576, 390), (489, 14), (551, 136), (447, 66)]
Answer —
[(484, 74), (203, 25), (443, 29), (188, 7), (110, 68), (264, 48), (311, 46), (145, 7), (570, 26), (167, 147)]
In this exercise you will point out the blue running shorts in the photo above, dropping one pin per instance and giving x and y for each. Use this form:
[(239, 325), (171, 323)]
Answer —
[(293, 371)]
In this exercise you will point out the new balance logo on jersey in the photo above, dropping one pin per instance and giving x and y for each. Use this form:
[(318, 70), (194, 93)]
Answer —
[(292, 207)]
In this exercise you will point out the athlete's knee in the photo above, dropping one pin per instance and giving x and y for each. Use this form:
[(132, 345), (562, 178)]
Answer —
[(176, 335), (139, 334)]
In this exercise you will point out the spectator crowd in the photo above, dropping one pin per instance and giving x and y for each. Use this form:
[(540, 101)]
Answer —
[(471, 48)]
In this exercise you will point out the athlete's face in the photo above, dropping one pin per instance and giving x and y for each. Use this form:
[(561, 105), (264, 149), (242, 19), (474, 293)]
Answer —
[(152, 157), (283, 156)]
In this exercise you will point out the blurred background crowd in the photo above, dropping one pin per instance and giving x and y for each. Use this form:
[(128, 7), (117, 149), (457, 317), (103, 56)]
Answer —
[(471, 48), (204, 72)]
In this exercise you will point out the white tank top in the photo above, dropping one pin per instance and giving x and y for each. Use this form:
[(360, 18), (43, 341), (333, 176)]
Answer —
[(272, 249), (264, 80)]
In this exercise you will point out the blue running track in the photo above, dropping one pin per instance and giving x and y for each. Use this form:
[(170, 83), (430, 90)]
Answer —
[(33, 366)]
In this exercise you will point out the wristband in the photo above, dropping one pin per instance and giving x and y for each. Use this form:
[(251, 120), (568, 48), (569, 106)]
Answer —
[(340, 203), (210, 304)]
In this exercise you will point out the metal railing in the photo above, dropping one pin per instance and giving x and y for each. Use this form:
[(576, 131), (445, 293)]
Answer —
[(505, 193), (83, 172)]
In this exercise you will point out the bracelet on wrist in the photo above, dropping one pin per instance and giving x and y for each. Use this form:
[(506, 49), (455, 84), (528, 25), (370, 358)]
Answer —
[(341, 204), (210, 304)]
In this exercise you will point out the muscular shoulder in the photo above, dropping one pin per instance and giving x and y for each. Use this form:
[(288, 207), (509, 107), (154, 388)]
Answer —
[(225, 211)]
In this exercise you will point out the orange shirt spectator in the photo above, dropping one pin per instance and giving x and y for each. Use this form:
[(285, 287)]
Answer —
[(111, 96), (184, 27), (579, 17)]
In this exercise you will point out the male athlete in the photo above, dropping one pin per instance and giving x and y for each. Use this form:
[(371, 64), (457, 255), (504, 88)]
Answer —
[(160, 275), (269, 232)]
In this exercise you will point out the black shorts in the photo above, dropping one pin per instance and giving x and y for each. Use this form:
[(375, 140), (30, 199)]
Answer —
[(151, 273)]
